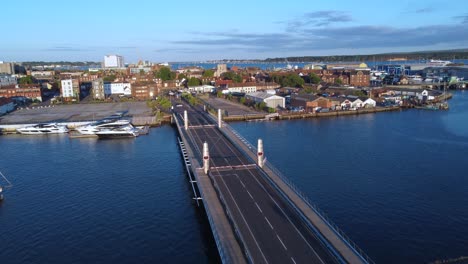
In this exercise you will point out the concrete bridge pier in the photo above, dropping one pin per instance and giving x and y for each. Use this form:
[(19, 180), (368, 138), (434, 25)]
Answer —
[(260, 154), (206, 158), (219, 118)]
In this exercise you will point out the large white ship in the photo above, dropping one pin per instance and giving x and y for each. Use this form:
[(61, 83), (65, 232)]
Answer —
[(93, 128), (42, 129), (118, 131)]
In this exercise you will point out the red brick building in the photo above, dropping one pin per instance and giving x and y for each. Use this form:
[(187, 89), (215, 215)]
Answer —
[(31, 91), (144, 91)]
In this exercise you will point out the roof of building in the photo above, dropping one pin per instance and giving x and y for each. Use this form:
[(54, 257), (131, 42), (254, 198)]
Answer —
[(4, 101), (263, 95)]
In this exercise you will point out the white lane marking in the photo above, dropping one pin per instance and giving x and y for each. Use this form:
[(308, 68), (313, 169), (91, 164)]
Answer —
[(243, 185), (258, 207), (289, 219), (293, 260), (281, 242), (243, 218), (269, 223), (249, 194)]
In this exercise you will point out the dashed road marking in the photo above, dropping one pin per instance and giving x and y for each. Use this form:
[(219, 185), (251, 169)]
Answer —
[(282, 242), (269, 223), (258, 207)]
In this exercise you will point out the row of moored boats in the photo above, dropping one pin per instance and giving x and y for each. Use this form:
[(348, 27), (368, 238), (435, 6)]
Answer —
[(105, 128)]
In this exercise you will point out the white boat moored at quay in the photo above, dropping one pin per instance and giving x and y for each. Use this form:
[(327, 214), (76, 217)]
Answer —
[(93, 128), (124, 131), (43, 129)]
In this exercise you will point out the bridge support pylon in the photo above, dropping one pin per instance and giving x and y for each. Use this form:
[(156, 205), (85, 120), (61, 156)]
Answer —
[(185, 120), (260, 154), (219, 118), (206, 158)]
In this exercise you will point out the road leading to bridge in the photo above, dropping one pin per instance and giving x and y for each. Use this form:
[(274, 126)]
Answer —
[(271, 230)]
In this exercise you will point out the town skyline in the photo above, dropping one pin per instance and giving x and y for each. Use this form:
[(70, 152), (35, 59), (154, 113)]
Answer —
[(216, 31)]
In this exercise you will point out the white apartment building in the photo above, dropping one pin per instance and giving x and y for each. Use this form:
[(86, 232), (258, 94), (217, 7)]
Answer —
[(117, 88), (240, 89), (113, 61), (67, 88)]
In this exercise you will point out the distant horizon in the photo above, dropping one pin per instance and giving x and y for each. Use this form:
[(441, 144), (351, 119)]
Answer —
[(461, 50)]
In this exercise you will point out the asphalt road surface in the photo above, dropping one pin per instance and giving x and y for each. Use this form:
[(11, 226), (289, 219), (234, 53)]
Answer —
[(271, 229)]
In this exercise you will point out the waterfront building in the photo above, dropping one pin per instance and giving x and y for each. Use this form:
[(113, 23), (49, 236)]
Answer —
[(70, 89), (144, 91), (97, 90), (113, 61), (7, 80), (138, 69), (346, 66), (309, 102), (43, 75), (447, 72), (270, 100), (7, 67), (202, 89), (88, 77), (6, 105), (118, 88), (359, 78), (240, 88), (354, 77), (368, 102), (30, 91)]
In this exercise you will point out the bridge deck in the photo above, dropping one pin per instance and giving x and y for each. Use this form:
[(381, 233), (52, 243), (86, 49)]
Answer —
[(269, 227)]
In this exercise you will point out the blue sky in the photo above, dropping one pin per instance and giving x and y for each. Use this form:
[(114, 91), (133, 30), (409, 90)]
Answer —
[(182, 30)]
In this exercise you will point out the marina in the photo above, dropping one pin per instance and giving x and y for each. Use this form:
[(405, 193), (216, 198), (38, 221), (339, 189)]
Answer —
[(164, 214)]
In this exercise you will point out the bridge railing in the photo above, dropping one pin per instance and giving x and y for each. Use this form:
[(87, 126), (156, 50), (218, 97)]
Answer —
[(304, 197)]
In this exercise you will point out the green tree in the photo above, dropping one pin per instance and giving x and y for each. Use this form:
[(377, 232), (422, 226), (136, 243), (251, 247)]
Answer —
[(165, 74), (232, 76), (314, 78), (338, 81), (237, 78), (208, 74), (194, 82), (293, 80), (109, 78), (360, 93), (182, 76), (242, 100), (26, 80), (306, 90)]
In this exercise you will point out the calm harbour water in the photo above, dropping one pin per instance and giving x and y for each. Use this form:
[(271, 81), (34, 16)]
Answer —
[(396, 183)]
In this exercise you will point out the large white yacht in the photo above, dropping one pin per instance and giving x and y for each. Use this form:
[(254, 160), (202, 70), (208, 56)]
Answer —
[(42, 129), (91, 129), (118, 131)]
